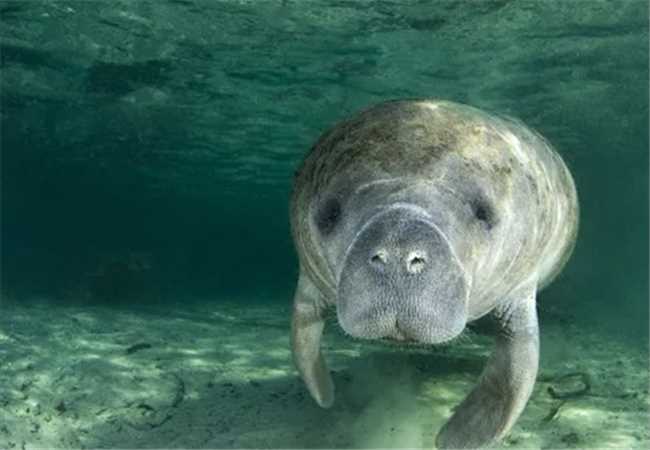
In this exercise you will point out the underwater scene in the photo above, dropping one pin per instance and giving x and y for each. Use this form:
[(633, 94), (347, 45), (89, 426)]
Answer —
[(324, 224)]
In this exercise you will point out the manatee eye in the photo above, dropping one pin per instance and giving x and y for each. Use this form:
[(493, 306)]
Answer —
[(484, 212), (328, 216)]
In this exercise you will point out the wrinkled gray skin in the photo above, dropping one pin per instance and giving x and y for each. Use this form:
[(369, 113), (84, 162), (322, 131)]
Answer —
[(416, 217)]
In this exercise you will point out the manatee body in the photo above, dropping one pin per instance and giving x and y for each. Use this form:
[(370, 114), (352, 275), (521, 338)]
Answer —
[(416, 217)]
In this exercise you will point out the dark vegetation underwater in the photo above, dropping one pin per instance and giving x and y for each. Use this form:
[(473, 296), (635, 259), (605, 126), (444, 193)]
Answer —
[(148, 148)]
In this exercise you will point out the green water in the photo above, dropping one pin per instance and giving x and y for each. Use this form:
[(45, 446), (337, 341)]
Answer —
[(173, 128), (162, 136)]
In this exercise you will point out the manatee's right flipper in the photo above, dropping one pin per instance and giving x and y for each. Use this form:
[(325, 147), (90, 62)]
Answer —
[(493, 406), (306, 329)]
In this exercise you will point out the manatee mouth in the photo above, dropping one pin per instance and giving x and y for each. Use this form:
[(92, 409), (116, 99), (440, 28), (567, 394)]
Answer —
[(398, 337), (401, 281)]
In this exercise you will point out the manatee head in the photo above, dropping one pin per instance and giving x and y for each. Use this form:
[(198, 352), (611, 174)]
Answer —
[(390, 245), (402, 212)]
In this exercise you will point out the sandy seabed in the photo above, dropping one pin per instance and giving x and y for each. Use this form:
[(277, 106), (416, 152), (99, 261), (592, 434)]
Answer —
[(219, 375)]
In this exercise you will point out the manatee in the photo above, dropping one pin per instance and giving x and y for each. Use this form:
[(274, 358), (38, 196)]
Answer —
[(414, 218)]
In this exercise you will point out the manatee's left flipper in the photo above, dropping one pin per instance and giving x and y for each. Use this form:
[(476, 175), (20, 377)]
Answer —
[(306, 330), (490, 410)]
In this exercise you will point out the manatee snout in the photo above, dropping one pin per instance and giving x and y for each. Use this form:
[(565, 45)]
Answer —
[(401, 280)]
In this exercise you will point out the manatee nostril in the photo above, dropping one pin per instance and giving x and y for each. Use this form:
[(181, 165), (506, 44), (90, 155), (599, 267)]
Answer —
[(415, 263), (379, 259)]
